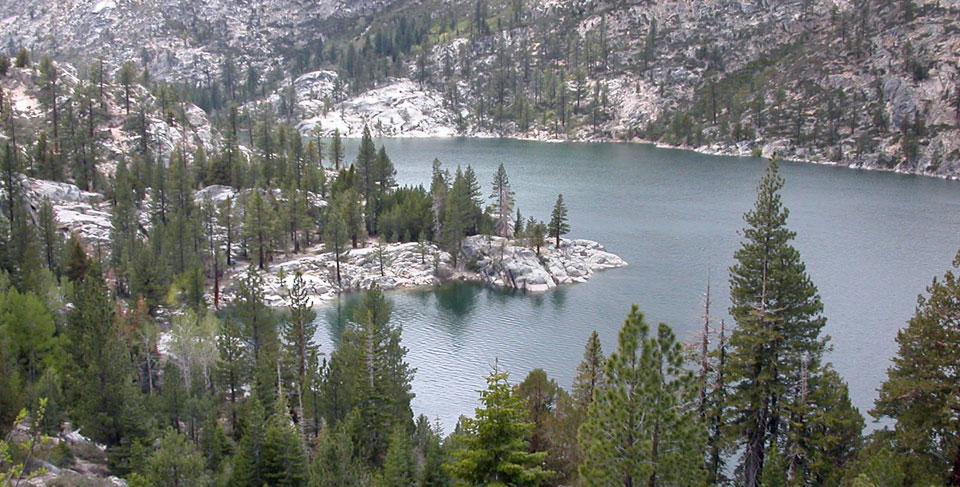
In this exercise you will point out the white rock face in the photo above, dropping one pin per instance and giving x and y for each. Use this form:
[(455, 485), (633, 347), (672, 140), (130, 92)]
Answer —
[(403, 266), (500, 263), (75, 210), (216, 193), (400, 109)]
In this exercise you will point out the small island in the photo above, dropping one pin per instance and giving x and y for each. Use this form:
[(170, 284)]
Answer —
[(367, 228), (492, 260)]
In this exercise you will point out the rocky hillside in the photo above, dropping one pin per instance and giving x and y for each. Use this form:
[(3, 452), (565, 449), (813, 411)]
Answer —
[(865, 83), (176, 39)]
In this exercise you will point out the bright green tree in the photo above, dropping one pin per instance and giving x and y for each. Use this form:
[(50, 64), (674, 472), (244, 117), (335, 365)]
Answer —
[(334, 464), (175, 462), (494, 446), (642, 425), (400, 465), (284, 458)]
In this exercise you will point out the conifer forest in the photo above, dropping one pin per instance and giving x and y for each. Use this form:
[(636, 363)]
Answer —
[(190, 190)]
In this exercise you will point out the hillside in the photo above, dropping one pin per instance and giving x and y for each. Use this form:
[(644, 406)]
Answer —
[(862, 83)]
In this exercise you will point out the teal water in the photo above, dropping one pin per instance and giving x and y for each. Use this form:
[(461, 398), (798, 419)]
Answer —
[(871, 241)]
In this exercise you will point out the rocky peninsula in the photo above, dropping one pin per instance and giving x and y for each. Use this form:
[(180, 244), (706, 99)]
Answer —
[(490, 260)]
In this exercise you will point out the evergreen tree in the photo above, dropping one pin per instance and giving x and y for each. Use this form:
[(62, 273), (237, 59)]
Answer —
[(439, 190), (284, 459), (175, 463), (399, 466), (558, 220), (589, 372), (258, 225), (642, 425), (382, 395), (539, 394), (433, 473), (921, 393), (502, 197), (126, 77), (334, 464), (335, 238), (79, 264), (385, 180), (494, 447), (298, 333), (350, 210), (779, 318), (366, 170), (104, 401), (248, 464), (458, 211), (336, 150), (50, 241), (234, 363)]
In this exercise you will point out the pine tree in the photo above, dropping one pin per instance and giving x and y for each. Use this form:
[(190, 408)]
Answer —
[(589, 372), (284, 459), (474, 193), (126, 77), (104, 401), (248, 464), (399, 466), (384, 180), (234, 363), (539, 394), (779, 318), (502, 197), (433, 473), (383, 377), (558, 220), (366, 167), (336, 149), (335, 237), (49, 75), (175, 462), (642, 425), (458, 211), (334, 464), (920, 393), (439, 190), (494, 447), (298, 333), (79, 264), (125, 227), (214, 443), (350, 208), (258, 225)]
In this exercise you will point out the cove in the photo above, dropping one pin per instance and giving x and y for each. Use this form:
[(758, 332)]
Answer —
[(871, 241)]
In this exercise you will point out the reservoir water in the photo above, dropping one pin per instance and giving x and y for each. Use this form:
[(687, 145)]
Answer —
[(871, 241)]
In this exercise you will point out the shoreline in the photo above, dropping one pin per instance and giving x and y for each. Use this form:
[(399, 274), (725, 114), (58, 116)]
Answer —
[(724, 151)]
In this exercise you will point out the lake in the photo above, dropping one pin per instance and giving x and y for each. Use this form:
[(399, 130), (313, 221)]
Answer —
[(871, 241)]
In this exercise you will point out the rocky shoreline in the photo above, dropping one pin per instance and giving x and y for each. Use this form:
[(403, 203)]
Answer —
[(488, 260)]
